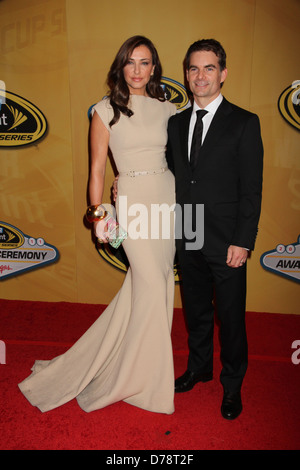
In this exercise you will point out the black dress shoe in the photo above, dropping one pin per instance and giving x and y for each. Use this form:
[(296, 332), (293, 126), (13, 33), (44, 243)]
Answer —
[(187, 381), (231, 405)]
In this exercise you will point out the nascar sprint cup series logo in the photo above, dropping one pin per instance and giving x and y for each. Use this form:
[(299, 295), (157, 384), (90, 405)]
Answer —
[(289, 104), (21, 122)]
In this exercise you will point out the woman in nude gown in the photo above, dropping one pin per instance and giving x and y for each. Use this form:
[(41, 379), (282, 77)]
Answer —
[(127, 353)]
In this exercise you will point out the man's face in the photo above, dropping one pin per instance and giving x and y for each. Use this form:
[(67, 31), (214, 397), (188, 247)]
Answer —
[(205, 76)]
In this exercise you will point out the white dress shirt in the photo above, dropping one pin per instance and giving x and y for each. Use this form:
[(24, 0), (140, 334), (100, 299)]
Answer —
[(211, 108)]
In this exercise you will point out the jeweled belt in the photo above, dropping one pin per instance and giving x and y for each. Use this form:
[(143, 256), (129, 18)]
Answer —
[(133, 173)]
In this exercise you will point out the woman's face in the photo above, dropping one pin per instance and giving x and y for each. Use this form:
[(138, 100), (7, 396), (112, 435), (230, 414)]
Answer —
[(138, 70)]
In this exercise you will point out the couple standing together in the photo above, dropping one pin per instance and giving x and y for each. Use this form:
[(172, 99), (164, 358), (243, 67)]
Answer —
[(215, 160)]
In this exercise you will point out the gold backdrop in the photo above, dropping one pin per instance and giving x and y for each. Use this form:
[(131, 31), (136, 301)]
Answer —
[(56, 54)]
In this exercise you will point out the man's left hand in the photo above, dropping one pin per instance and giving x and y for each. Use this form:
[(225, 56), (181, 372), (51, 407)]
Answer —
[(236, 256)]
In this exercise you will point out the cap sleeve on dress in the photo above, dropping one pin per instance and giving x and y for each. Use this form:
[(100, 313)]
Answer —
[(104, 111), (172, 109)]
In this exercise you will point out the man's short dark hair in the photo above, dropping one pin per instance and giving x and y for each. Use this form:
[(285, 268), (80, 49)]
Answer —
[(207, 45)]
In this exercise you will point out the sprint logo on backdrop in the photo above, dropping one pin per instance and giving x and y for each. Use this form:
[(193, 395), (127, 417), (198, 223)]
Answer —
[(20, 253), (21, 122), (289, 104), (283, 260), (175, 93)]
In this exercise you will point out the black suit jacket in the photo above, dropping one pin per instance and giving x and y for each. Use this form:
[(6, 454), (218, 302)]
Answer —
[(227, 179)]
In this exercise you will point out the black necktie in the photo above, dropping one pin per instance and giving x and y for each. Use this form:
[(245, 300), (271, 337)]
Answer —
[(197, 139)]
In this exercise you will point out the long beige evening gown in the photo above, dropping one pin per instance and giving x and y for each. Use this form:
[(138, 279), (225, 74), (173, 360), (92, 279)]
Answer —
[(127, 353)]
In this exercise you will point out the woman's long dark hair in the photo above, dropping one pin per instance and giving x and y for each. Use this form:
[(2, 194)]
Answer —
[(119, 91)]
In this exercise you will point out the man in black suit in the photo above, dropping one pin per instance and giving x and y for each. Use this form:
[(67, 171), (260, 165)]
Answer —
[(224, 174)]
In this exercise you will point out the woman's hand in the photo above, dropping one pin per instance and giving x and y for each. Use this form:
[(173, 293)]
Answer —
[(100, 230)]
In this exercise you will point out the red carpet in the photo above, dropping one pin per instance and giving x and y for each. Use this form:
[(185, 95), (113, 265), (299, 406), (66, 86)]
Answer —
[(269, 421)]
